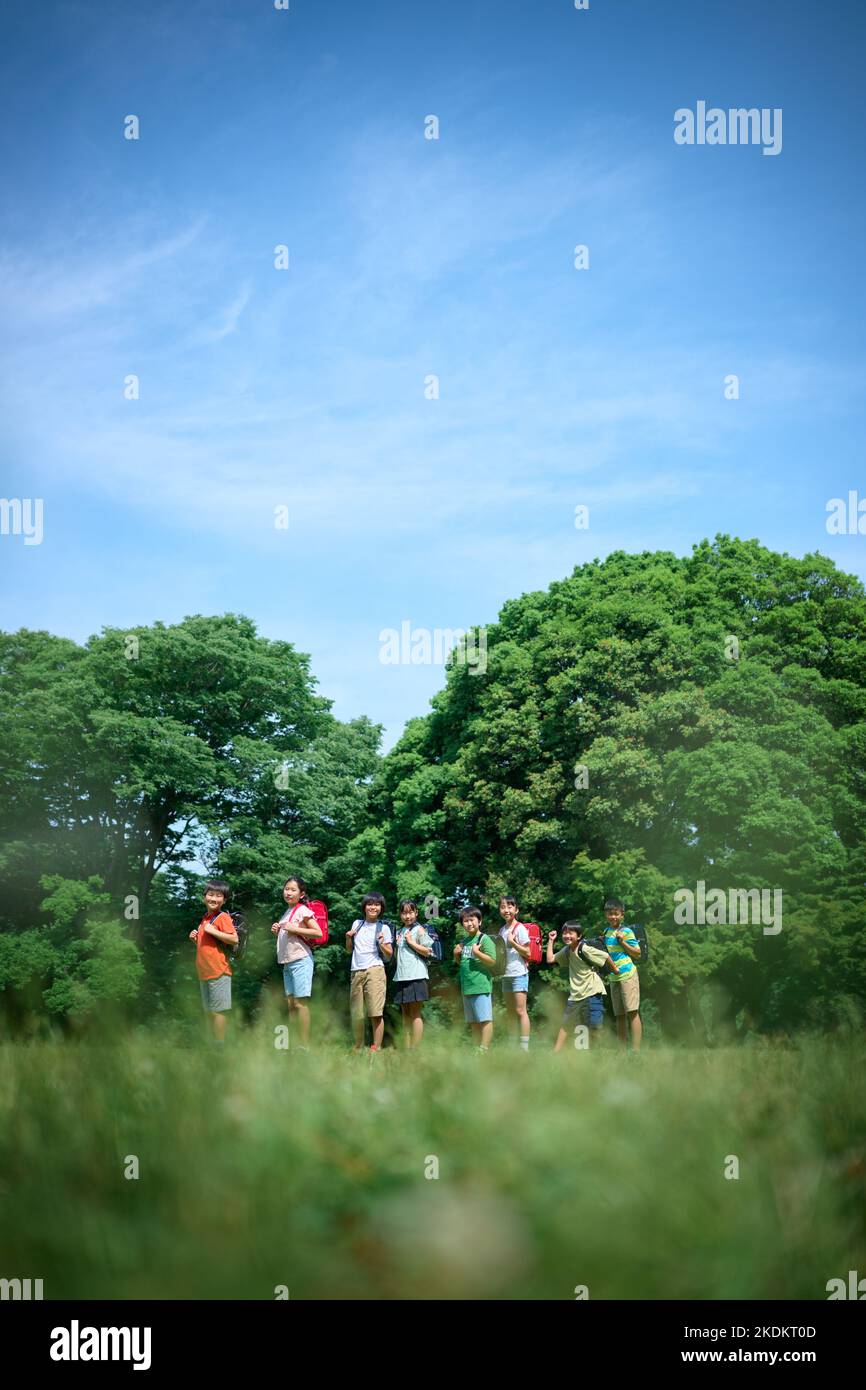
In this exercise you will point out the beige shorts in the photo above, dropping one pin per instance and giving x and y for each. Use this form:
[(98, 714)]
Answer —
[(625, 995), (367, 992)]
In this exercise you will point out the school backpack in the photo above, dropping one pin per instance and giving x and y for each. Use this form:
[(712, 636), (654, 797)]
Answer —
[(535, 956), (320, 912), (435, 943), (496, 971), (597, 943), (235, 949), (640, 934)]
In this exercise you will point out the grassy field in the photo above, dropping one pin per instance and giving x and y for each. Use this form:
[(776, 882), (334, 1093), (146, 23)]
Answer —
[(263, 1168)]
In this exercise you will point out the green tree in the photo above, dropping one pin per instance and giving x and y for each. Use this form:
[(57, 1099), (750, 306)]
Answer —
[(646, 723), (77, 964), (149, 755)]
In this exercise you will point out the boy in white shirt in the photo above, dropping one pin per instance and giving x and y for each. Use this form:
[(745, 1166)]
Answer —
[(371, 946)]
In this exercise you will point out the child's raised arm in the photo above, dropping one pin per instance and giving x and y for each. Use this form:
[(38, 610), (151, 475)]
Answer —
[(311, 933), (231, 936), (416, 946), (551, 937), (633, 950)]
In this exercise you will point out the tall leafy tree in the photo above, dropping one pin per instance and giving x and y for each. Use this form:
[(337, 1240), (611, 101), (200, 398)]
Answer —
[(147, 756), (649, 722), (122, 755)]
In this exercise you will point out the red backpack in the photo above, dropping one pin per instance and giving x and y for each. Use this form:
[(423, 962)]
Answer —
[(320, 912), (534, 930)]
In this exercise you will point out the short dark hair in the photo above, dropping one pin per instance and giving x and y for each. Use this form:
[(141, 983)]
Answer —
[(472, 912), (507, 898), (408, 902), (296, 878), (218, 885), (573, 926), (371, 900), (614, 902)]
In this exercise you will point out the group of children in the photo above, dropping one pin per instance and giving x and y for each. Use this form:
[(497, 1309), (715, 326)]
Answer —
[(372, 945)]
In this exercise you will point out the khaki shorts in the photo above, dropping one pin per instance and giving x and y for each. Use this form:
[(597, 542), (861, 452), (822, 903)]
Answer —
[(625, 995), (367, 992)]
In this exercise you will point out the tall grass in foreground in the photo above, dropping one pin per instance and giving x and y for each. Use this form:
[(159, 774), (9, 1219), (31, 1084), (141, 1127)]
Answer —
[(261, 1168)]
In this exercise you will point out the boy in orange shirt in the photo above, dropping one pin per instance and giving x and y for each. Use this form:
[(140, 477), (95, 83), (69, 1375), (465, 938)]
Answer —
[(211, 961)]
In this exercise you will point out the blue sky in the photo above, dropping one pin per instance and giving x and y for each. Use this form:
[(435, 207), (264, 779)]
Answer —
[(411, 257)]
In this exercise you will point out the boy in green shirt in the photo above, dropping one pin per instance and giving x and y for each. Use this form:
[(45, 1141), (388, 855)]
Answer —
[(477, 956)]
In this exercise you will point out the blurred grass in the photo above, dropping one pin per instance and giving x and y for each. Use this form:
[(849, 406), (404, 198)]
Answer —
[(262, 1167)]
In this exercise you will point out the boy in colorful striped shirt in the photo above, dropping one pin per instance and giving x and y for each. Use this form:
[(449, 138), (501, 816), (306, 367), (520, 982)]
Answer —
[(623, 948)]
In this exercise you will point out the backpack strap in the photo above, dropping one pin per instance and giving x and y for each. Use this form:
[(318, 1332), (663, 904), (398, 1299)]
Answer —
[(591, 965), (292, 912)]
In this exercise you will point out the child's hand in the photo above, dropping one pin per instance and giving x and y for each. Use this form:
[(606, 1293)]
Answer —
[(476, 949), (275, 927), (381, 939), (193, 936), (620, 934), (552, 935)]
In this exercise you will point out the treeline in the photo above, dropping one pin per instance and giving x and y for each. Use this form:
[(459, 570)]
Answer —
[(645, 724)]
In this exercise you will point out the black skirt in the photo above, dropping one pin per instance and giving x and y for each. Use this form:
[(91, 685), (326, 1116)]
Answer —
[(411, 992)]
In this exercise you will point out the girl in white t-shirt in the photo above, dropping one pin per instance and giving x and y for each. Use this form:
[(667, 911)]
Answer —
[(515, 981), (295, 930)]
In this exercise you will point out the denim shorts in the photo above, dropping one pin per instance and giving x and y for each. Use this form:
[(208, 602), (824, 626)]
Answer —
[(586, 1011), (516, 984), (298, 978), (478, 1008)]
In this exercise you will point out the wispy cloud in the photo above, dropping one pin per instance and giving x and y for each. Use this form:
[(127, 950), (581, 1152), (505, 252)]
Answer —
[(227, 320), (56, 285)]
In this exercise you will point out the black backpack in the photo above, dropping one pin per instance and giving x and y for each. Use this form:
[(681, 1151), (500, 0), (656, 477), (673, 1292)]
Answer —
[(236, 949), (597, 943), (640, 934), (435, 942)]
